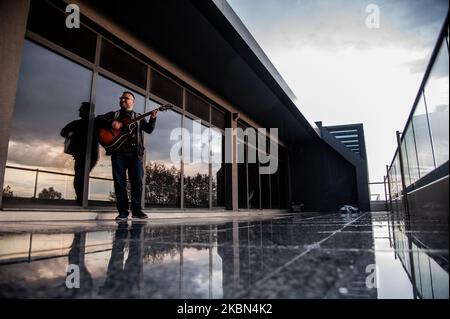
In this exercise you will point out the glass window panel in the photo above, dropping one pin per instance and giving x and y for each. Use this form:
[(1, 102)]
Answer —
[(398, 176), (423, 139), (50, 23), (439, 280), (405, 162), (394, 180), (425, 276), (196, 167), (46, 189), (197, 106), (413, 167), (166, 89), (218, 168), (101, 189), (253, 182), (107, 100), (218, 118), (391, 182), (51, 90), (436, 97), (18, 183), (163, 174), (122, 64)]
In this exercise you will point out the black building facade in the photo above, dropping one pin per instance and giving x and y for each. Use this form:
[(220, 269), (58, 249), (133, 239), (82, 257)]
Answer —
[(195, 55)]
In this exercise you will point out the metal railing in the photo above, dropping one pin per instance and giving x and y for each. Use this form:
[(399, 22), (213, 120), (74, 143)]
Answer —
[(40, 171), (422, 146)]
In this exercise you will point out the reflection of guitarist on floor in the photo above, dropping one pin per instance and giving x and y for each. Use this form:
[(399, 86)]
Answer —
[(121, 134)]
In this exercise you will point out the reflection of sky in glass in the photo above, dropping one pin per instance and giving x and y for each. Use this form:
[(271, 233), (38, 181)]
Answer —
[(49, 94), (158, 143), (411, 155), (436, 95), (423, 139), (100, 189), (217, 166), (197, 147), (21, 182), (64, 184)]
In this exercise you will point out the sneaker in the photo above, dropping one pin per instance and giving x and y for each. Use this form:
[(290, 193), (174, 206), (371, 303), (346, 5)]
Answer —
[(140, 215), (122, 217)]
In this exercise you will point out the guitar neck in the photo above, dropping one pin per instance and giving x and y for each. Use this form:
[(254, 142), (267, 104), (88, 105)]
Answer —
[(144, 115)]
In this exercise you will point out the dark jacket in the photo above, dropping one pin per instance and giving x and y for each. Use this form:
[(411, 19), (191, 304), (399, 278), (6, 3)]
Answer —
[(106, 120)]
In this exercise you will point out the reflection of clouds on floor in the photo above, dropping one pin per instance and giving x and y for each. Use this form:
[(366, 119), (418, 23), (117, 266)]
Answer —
[(197, 263), (195, 274)]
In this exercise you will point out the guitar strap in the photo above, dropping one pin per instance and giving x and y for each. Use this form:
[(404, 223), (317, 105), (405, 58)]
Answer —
[(138, 129)]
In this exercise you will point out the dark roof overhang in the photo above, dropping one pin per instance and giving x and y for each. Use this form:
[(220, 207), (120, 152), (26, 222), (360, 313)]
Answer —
[(208, 40)]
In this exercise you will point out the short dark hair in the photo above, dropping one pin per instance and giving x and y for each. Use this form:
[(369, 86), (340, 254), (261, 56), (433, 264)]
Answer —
[(128, 92)]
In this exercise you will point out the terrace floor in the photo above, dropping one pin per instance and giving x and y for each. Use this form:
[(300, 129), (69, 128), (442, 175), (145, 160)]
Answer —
[(303, 255)]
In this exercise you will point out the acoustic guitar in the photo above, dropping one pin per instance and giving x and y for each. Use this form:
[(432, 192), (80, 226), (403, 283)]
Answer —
[(112, 139)]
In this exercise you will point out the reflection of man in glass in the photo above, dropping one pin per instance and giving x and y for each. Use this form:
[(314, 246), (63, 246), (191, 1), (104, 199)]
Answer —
[(76, 140), (128, 157), (124, 281)]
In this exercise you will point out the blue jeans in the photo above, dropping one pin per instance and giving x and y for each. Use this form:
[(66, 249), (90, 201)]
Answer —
[(121, 162)]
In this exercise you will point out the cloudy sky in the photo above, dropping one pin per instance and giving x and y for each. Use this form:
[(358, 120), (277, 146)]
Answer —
[(343, 72)]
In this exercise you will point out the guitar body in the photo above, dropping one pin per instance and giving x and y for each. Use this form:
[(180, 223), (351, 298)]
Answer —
[(112, 139)]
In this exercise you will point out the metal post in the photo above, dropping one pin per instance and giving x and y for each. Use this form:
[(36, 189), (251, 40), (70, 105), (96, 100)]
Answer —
[(391, 208), (389, 189), (29, 247), (385, 191), (35, 182)]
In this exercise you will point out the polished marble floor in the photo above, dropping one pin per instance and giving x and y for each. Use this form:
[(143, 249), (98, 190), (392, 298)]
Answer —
[(307, 255)]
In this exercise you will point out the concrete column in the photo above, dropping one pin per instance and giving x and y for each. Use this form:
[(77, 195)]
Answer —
[(13, 20)]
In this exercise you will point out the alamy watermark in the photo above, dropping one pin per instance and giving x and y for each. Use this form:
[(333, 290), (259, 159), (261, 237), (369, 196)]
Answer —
[(73, 18), (372, 277), (197, 146), (73, 276), (373, 19)]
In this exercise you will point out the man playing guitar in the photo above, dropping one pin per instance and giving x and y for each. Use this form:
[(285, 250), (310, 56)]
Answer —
[(127, 155)]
